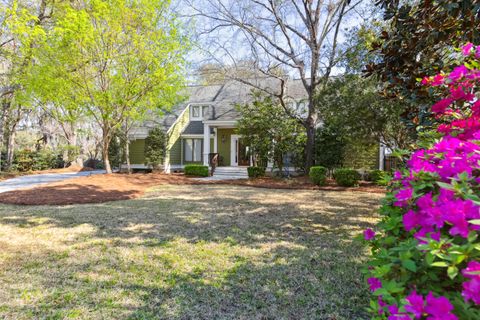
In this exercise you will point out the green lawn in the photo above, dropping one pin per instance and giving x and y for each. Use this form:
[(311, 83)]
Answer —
[(188, 252)]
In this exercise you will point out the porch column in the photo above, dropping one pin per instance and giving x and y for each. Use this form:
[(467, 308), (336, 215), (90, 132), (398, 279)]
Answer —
[(215, 141), (381, 159), (206, 143)]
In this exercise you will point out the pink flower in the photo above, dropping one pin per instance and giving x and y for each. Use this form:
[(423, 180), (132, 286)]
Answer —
[(369, 234), (472, 271), (471, 290), (458, 73), (374, 284), (410, 220), (466, 49), (382, 305), (395, 314), (438, 307), (425, 81), (403, 196), (415, 304), (442, 105), (437, 80)]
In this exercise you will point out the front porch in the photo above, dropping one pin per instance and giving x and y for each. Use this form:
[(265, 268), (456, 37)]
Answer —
[(222, 144)]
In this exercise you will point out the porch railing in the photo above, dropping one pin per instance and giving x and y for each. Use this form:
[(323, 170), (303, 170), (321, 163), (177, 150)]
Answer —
[(213, 161)]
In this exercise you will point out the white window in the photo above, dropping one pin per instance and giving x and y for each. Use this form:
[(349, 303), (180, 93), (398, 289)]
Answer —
[(188, 150), (193, 150), (196, 112), (199, 112)]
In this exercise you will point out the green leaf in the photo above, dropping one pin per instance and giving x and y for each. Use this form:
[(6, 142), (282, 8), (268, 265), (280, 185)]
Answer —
[(447, 186), (475, 222), (441, 264), (409, 265), (452, 272)]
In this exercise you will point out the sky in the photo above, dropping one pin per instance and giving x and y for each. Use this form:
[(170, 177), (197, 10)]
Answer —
[(226, 45)]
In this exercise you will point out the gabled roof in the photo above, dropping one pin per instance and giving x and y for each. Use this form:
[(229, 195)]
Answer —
[(222, 99)]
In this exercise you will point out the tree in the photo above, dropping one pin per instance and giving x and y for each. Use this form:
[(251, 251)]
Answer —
[(21, 27), (352, 104), (418, 39), (155, 147), (298, 37), (268, 131), (114, 59), (331, 144)]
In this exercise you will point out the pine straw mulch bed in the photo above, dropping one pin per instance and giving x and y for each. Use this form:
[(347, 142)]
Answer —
[(113, 187)]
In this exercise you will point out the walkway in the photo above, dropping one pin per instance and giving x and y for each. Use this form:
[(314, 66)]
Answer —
[(39, 179)]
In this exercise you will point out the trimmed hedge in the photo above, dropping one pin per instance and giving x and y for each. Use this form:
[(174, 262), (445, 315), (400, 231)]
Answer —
[(347, 177), (318, 175), (196, 170), (255, 172)]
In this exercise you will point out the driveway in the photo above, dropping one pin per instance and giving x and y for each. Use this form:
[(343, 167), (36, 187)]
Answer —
[(39, 179)]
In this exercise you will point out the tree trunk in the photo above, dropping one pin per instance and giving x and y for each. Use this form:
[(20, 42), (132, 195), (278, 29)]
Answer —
[(11, 147), (310, 146), (105, 148), (127, 155), (3, 116), (72, 141)]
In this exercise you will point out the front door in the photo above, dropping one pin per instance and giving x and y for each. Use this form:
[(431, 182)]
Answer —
[(243, 157), (239, 152)]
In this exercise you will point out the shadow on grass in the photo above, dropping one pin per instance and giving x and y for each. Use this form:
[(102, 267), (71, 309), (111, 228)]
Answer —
[(207, 252)]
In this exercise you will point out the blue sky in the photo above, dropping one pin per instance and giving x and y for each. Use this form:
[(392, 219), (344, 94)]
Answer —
[(227, 45)]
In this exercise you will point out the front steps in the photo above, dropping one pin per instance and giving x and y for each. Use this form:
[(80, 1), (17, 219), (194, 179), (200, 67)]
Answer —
[(230, 173)]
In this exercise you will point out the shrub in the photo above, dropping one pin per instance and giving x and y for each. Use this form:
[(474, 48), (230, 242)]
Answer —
[(155, 147), (346, 177), (318, 175), (425, 262), (378, 177), (30, 160), (255, 172), (196, 170)]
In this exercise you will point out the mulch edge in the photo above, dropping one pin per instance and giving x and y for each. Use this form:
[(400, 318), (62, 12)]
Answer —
[(190, 181)]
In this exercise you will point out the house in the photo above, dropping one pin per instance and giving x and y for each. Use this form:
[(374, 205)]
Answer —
[(206, 124)]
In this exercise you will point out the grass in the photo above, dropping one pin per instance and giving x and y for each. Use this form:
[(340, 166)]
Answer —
[(188, 252)]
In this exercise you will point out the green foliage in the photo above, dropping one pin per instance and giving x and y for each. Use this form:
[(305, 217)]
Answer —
[(115, 150), (71, 152), (155, 147), (27, 160), (346, 177), (353, 109), (270, 133), (377, 176), (318, 175), (417, 40), (330, 146), (112, 60), (196, 170), (402, 263), (255, 172)]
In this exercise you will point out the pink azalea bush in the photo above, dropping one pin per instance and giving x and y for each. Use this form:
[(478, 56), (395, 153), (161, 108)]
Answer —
[(426, 257)]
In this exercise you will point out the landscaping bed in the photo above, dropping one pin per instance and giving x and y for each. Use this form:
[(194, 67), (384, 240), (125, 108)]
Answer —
[(112, 187), (304, 183)]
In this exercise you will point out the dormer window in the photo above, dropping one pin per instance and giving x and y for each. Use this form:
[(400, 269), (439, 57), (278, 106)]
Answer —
[(199, 112)]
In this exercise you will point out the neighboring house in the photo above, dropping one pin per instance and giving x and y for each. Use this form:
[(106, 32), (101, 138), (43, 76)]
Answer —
[(206, 123)]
